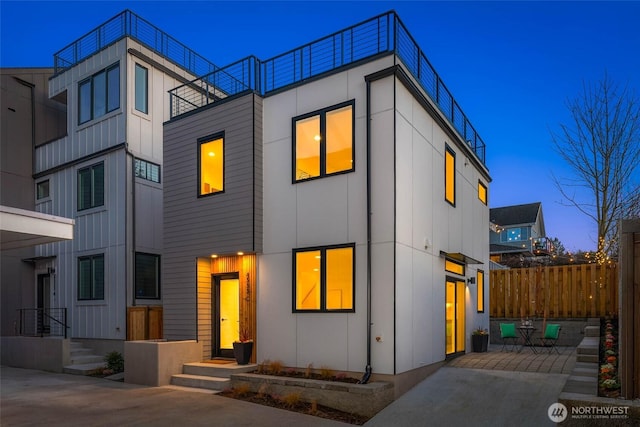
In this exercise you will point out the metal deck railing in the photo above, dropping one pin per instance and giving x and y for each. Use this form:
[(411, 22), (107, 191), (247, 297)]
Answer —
[(377, 36), (41, 322), (128, 24)]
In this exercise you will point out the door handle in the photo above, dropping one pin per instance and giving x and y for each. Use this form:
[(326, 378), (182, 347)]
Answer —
[(222, 319)]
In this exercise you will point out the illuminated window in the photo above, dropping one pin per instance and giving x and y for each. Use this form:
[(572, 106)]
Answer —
[(211, 165), (91, 277), (141, 98), (454, 267), (324, 278), (480, 285), (515, 234), (99, 94), (482, 192), (323, 142), (450, 176), (91, 186)]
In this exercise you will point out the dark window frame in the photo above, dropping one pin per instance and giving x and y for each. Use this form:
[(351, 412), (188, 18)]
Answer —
[(322, 113), (157, 275), (39, 185), (92, 285), (92, 106), (147, 165), (204, 140), (93, 203), (453, 154), (480, 290), (323, 278), (486, 193), (145, 101), (458, 263)]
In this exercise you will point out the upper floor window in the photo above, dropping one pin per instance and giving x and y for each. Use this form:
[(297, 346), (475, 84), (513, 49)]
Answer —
[(142, 97), (323, 142), (99, 94), (514, 234), (324, 278), (91, 186), (147, 170), (211, 165), (482, 192), (147, 276), (42, 189), (91, 277), (450, 175)]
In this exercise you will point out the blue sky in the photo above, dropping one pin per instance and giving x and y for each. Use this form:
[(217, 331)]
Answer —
[(510, 65)]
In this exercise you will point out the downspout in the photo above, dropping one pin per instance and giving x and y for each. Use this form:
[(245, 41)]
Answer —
[(367, 369), (133, 225)]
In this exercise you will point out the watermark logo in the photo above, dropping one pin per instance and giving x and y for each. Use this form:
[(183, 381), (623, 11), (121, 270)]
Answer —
[(557, 412)]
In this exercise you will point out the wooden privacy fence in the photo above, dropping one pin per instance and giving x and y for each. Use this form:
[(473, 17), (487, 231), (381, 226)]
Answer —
[(565, 291), (144, 323)]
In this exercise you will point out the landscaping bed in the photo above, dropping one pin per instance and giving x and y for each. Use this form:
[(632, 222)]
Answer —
[(608, 381)]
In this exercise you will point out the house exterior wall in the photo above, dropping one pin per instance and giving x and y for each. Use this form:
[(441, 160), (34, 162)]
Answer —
[(224, 223), (131, 218)]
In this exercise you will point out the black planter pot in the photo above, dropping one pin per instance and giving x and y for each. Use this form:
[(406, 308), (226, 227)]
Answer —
[(242, 352), (479, 343)]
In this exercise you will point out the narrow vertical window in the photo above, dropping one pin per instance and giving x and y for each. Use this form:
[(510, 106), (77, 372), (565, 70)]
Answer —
[(211, 165), (84, 101), (113, 88), (147, 276), (482, 192), (42, 189), (339, 144), (91, 277), (91, 186), (450, 176), (308, 148), (480, 286), (141, 99)]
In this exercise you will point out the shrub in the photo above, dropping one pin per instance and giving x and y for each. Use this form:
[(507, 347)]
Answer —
[(291, 399), (114, 361), (308, 371), (326, 373), (241, 390), (275, 367)]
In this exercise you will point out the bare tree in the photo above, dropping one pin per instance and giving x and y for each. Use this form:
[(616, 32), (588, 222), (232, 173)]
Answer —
[(602, 146)]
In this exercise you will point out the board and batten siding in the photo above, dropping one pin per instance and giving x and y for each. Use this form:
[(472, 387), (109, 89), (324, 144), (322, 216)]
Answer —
[(223, 223)]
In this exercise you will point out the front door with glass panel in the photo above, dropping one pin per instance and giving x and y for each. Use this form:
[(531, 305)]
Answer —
[(226, 309), (455, 313), (44, 303)]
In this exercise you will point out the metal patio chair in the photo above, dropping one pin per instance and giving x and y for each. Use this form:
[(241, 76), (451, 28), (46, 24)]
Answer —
[(550, 337), (508, 332)]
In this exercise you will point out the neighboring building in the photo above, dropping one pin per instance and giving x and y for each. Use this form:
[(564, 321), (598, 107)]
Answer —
[(517, 234), (105, 172), (331, 202), (29, 119)]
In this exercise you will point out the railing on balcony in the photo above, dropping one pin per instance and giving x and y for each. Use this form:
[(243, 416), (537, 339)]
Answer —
[(41, 322), (128, 24), (380, 35)]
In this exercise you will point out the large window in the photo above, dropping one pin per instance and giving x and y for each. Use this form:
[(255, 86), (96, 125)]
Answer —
[(211, 165), (514, 234), (480, 285), (323, 142), (450, 175), (147, 170), (42, 189), (142, 89), (99, 94), (323, 278), (91, 186), (482, 192), (91, 277), (147, 277)]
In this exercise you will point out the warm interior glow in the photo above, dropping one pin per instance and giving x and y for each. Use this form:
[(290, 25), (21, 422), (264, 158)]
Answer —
[(339, 140), (308, 280), (212, 166), (460, 316), (449, 174), (480, 288), (340, 279), (454, 267), (482, 193), (450, 318), (307, 148), (229, 312)]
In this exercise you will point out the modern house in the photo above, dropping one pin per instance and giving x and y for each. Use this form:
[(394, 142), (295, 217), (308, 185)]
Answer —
[(331, 204), (518, 233), (101, 165)]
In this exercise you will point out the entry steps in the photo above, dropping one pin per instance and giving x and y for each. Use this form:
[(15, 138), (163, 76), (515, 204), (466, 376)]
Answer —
[(82, 360), (583, 380), (200, 376)]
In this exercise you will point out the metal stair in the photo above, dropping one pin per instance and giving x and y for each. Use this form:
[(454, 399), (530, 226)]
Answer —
[(82, 360), (208, 376)]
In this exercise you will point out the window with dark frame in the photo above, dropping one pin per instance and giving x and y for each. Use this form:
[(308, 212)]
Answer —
[(42, 189), (142, 89), (91, 277), (323, 142), (99, 94), (147, 276), (211, 165), (147, 170), (480, 288), (91, 186), (324, 279), (450, 175)]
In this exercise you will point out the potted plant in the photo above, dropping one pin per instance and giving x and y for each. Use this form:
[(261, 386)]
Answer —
[(242, 348), (480, 340)]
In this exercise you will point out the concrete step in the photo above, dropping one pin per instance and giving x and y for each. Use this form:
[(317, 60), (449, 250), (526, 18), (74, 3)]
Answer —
[(214, 370), (82, 369), (80, 351), (581, 385), (593, 321), (86, 358), (587, 350), (589, 358), (592, 331), (201, 381)]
